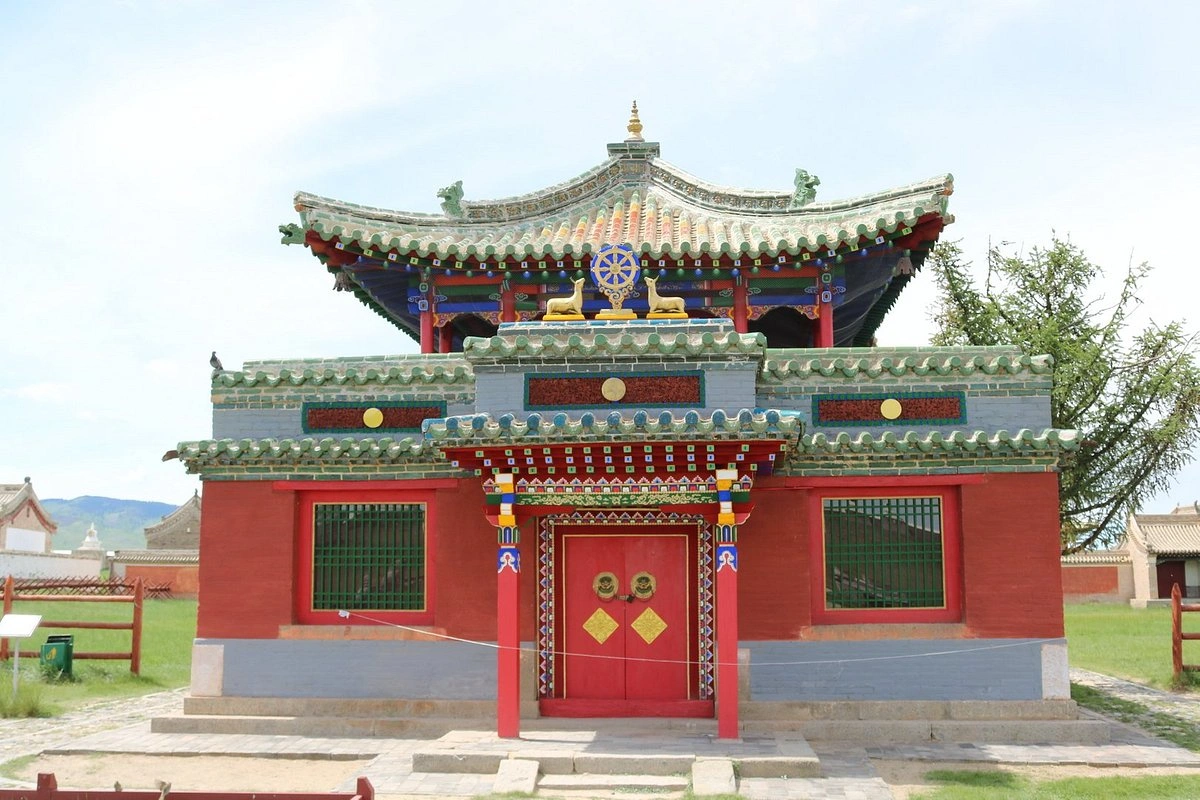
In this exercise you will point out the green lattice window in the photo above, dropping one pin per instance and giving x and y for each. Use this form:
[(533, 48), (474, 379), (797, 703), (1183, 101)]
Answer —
[(368, 556), (884, 552)]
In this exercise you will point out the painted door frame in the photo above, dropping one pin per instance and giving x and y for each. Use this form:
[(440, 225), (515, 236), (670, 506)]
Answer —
[(551, 530)]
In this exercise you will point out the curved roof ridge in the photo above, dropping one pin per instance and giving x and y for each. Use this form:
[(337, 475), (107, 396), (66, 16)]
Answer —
[(873, 362), (575, 193), (458, 371), (175, 515), (1046, 439), (615, 425), (14, 495)]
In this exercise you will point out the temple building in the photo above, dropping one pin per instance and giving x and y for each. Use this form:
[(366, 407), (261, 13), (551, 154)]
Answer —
[(646, 463)]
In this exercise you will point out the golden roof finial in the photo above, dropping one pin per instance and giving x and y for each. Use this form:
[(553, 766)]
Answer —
[(635, 125)]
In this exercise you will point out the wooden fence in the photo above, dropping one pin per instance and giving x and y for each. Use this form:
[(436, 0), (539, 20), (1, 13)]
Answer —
[(134, 654), (47, 789), (88, 586), (1178, 637)]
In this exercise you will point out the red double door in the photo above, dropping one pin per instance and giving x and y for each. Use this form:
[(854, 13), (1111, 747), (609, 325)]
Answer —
[(628, 625)]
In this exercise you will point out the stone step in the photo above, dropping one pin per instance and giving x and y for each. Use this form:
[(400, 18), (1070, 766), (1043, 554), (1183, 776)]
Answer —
[(874, 732), (381, 708), (901, 710), (334, 727), (612, 783), (785, 756)]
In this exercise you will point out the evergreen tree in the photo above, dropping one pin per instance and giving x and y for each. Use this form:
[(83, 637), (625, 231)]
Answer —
[(1133, 395)]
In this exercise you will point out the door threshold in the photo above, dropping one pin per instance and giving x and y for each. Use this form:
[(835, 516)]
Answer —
[(626, 708)]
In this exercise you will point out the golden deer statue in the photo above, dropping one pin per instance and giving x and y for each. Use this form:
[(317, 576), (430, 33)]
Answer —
[(572, 305), (660, 305)]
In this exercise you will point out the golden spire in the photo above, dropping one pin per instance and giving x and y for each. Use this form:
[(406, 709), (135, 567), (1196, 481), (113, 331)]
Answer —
[(635, 125)]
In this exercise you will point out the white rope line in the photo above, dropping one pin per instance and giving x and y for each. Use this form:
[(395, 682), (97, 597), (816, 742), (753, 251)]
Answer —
[(494, 646)]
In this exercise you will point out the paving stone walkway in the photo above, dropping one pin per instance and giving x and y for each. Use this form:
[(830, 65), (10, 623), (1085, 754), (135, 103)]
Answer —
[(847, 771), (1177, 704)]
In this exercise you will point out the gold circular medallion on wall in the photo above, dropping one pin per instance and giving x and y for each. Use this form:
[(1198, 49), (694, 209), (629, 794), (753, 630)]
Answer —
[(613, 389), (372, 417), (890, 408)]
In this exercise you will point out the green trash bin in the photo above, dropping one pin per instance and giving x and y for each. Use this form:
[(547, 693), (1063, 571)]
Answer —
[(59, 652)]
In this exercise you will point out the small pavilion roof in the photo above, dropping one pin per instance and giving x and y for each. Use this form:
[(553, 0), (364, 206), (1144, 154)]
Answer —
[(480, 261), (657, 208)]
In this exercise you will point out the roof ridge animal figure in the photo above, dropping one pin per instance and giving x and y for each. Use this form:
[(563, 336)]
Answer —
[(660, 304), (567, 305)]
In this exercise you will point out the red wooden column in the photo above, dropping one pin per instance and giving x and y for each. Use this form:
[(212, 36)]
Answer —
[(825, 310), (428, 340), (508, 302), (508, 635), (445, 338), (727, 609), (739, 305)]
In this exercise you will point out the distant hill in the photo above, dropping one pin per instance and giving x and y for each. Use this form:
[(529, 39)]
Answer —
[(120, 523)]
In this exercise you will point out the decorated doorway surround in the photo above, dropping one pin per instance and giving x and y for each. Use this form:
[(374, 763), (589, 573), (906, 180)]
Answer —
[(625, 614), (634, 473)]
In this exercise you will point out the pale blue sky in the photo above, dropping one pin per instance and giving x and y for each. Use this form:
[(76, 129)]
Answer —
[(149, 150)]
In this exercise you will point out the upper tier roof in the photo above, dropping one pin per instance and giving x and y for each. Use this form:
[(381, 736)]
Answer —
[(632, 198)]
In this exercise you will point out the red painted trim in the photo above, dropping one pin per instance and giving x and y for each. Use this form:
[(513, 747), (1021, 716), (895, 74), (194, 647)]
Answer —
[(508, 655), (365, 486), (727, 652), (877, 480), (305, 614), (952, 564), (626, 708)]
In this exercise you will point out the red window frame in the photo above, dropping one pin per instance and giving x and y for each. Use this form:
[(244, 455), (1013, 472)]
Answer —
[(952, 573), (305, 613)]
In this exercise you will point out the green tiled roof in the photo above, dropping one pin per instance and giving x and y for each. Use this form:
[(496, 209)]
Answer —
[(1050, 441), (657, 208), (850, 362), (406, 375), (198, 455), (640, 425)]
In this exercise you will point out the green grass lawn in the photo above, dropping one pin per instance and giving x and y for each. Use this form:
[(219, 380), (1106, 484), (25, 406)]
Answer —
[(168, 628), (1131, 643), (972, 785)]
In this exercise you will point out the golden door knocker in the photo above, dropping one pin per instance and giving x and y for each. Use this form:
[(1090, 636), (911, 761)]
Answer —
[(605, 585), (643, 585)]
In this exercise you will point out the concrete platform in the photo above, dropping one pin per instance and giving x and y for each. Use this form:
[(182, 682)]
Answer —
[(603, 752)]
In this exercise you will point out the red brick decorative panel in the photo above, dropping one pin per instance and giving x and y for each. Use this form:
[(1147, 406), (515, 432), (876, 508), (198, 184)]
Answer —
[(388, 417), (943, 408), (546, 392)]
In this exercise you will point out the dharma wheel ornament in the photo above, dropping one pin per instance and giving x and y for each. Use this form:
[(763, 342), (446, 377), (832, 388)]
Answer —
[(615, 270)]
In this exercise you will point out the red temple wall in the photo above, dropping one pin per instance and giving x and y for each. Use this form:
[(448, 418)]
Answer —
[(184, 580), (1090, 579), (248, 590), (1013, 583), (1011, 576), (247, 561), (1011, 556), (773, 566)]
